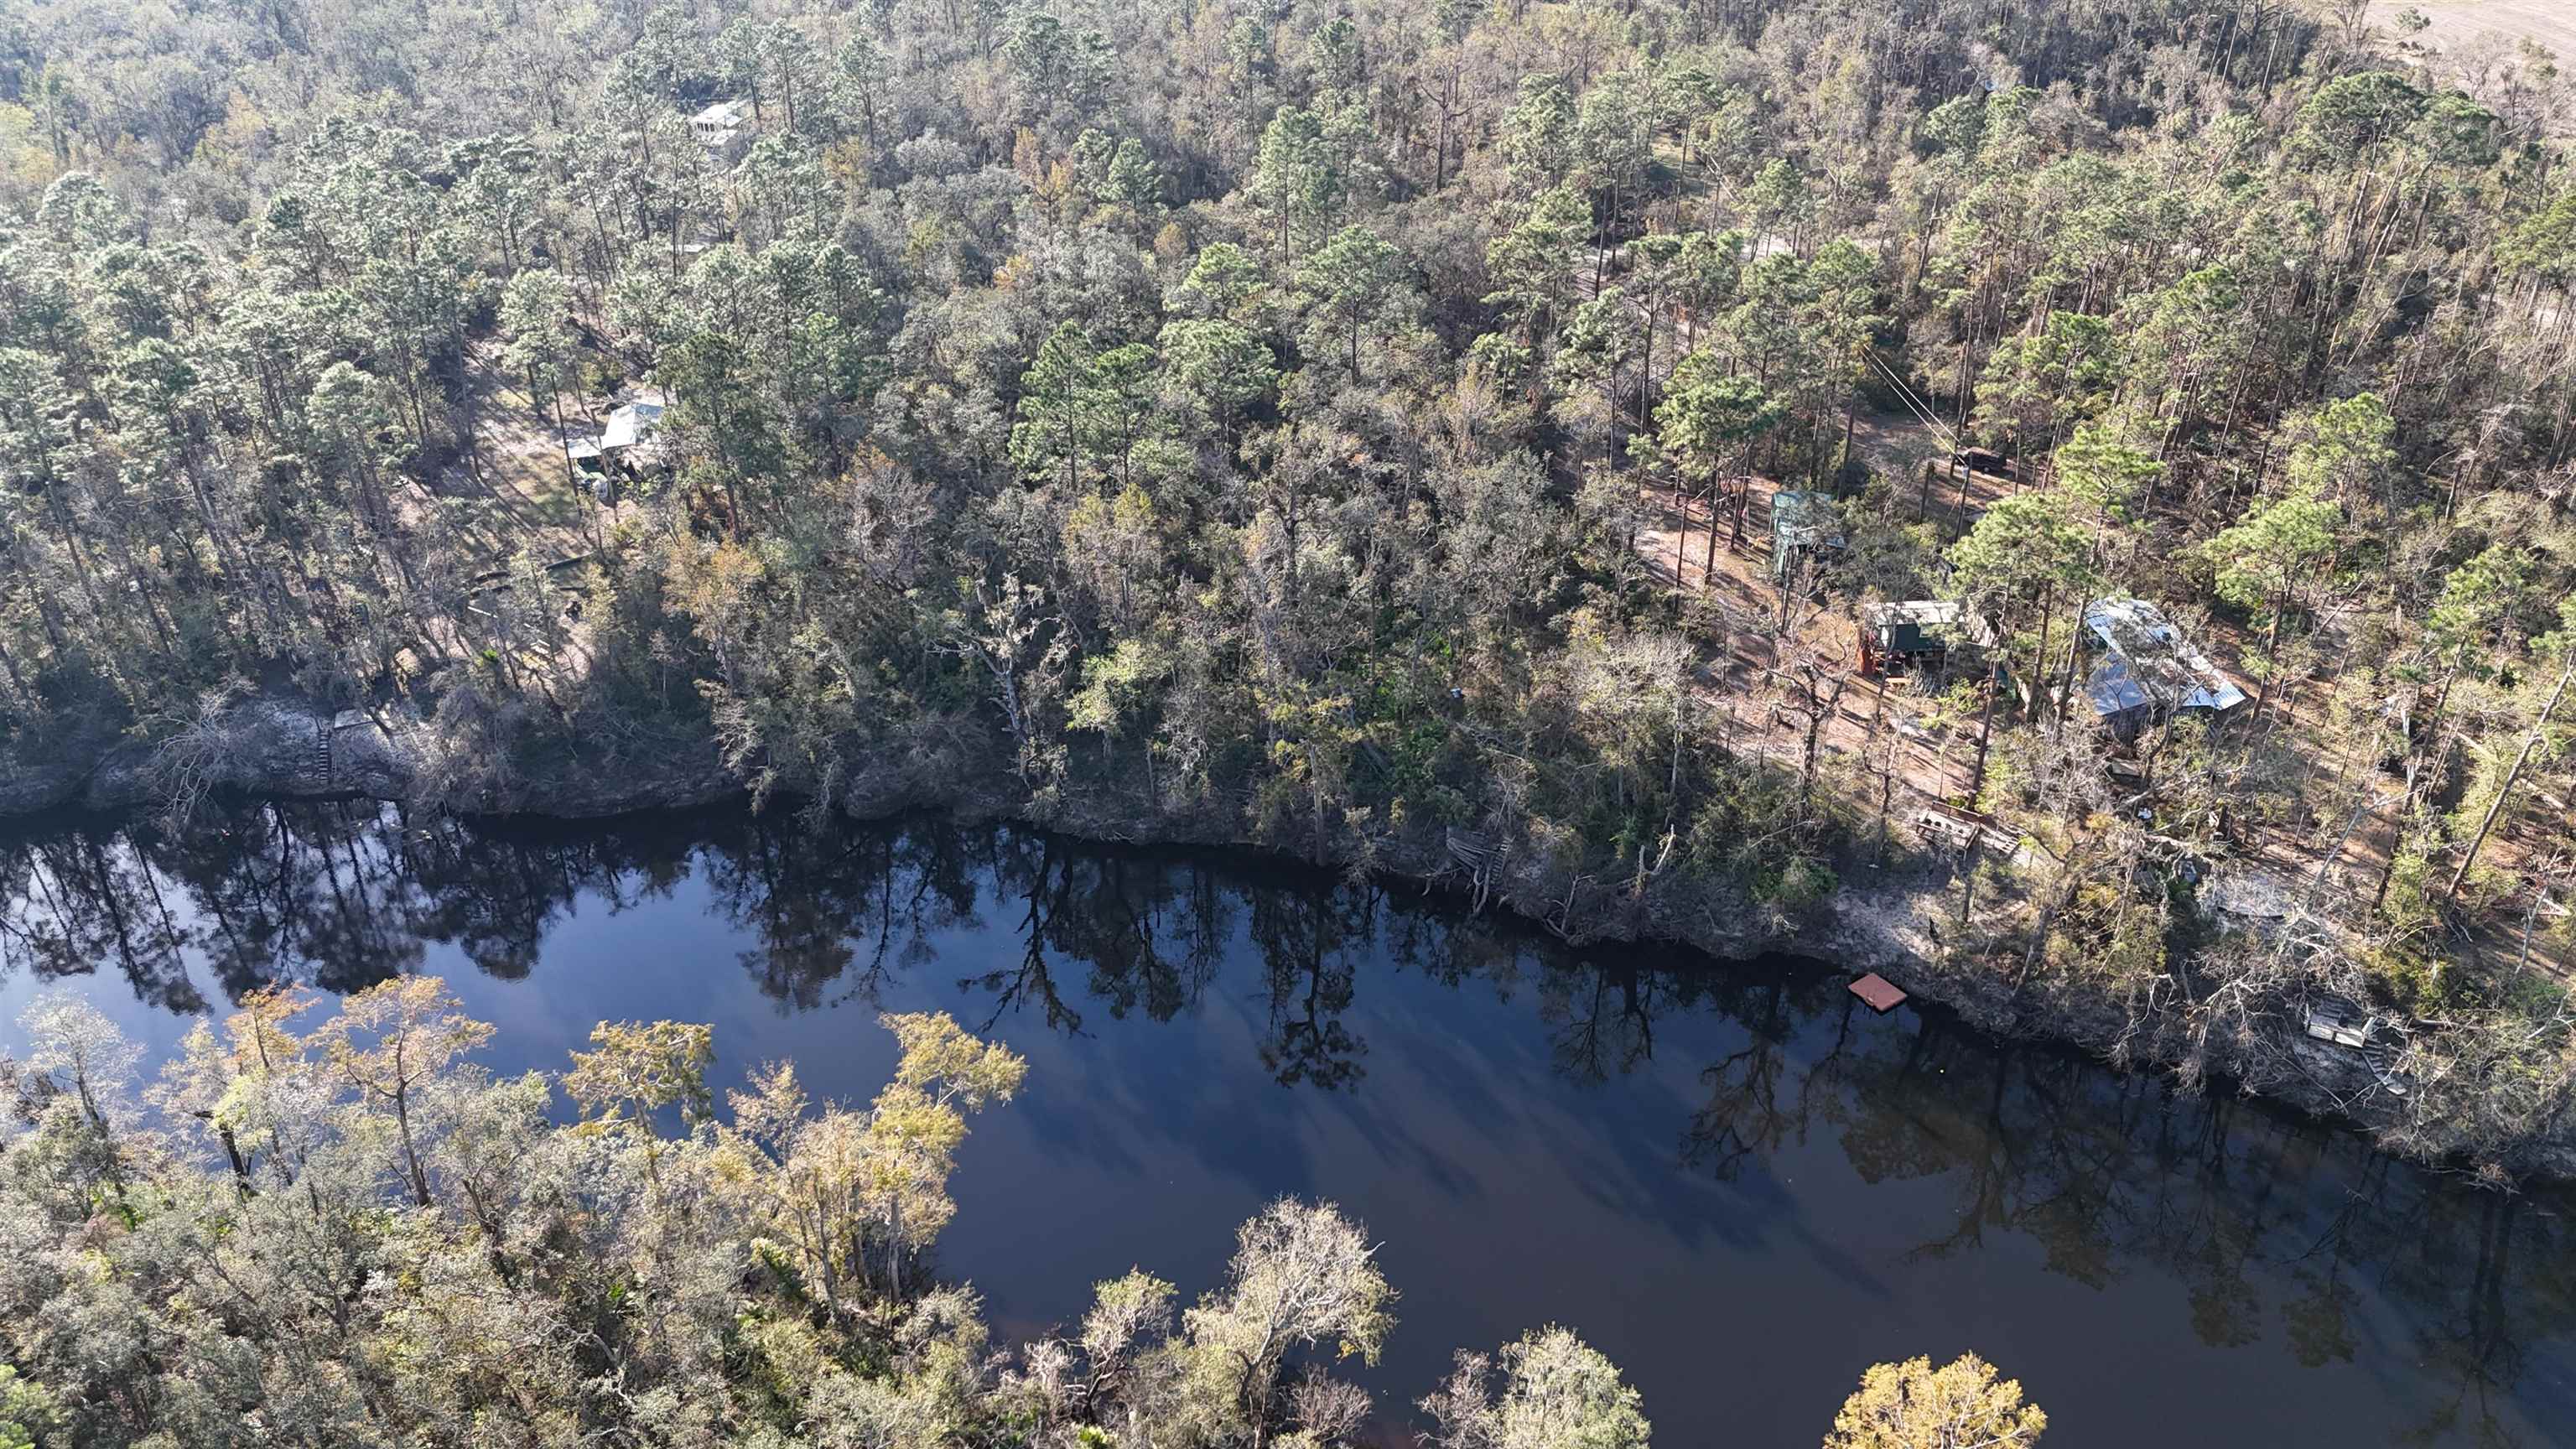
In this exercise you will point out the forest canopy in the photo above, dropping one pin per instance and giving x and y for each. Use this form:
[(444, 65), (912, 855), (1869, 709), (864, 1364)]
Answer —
[(1471, 439)]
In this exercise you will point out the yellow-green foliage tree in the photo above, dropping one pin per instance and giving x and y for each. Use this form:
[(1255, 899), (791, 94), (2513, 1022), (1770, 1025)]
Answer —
[(1912, 1405)]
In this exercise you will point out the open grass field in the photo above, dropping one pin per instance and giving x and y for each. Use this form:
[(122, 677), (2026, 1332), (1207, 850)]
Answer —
[(2461, 22)]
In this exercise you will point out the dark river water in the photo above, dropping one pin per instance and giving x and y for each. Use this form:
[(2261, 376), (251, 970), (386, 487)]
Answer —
[(1725, 1176)]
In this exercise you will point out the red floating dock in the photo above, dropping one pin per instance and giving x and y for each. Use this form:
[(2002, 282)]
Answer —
[(1881, 993)]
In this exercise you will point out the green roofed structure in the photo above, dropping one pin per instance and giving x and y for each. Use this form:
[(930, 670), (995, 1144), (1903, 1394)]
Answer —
[(1801, 524)]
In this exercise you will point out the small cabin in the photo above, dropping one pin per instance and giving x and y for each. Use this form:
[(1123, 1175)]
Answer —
[(721, 124), (1913, 634), (1804, 527), (626, 441)]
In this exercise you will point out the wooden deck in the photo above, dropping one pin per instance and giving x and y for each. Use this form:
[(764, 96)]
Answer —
[(1881, 994)]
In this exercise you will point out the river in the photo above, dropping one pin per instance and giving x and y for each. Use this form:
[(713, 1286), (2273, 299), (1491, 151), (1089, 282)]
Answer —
[(1728, 1177)]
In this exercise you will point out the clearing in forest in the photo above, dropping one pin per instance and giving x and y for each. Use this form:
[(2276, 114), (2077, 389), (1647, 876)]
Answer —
[(2460, 25)]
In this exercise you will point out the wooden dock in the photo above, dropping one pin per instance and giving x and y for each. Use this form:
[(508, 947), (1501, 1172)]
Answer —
[(1882, 995)]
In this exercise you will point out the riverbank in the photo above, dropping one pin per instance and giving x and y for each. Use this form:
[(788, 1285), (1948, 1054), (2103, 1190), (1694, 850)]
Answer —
[(1893, 918), (1209, 1029)]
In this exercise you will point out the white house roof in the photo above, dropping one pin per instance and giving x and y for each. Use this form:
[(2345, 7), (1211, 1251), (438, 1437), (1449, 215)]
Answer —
[(629, 425), (1932, 612), (722, 113)]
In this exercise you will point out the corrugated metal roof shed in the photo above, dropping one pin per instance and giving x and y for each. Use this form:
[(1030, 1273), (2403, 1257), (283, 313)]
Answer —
[(628, 425), (2114, 692), (2157, 659)]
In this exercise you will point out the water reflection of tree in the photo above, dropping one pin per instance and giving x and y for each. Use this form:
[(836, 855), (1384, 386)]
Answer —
[(1425, 935), (1147, 932), (497, 892), (336, 895), (833, 914), (798, 894), (922, 883), (1311, 945), (1753, 1109), (2485, 1275), (2271, 1223), (1600, 1023), (2259, 1214), (2272, 1226), (81, 896), (1030, 869)]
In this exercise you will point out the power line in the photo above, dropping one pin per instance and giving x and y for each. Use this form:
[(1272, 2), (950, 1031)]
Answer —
[(1921, 409)]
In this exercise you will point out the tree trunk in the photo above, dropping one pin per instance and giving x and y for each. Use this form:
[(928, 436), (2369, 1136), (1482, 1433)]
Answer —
[(411, 1150), (1986, 727), (2504, 791), (2039, 662), (2271, 652), (1681, 531)]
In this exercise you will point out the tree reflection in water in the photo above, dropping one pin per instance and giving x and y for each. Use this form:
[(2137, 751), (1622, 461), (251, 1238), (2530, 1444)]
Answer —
[(2276, 1226)]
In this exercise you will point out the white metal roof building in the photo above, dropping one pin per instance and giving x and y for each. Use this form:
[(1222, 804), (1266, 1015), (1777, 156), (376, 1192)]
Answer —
[(720, 122), (630, 425), (2153, 669)]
